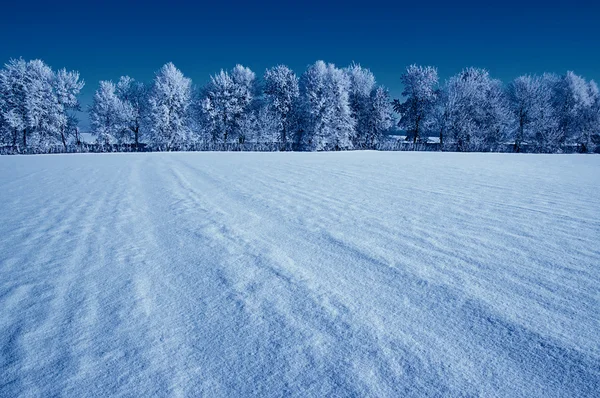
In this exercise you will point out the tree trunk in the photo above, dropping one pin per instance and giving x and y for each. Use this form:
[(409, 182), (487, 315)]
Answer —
[(284, 137), (64, 141), (24, 138), (520, 134), (416, 131), (137, 143), (225, 130)]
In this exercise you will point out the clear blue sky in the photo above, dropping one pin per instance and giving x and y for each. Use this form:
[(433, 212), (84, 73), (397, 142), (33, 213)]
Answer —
[(104, 40)]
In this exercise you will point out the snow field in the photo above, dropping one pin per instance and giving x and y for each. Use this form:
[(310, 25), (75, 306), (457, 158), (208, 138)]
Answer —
[(302, 274)]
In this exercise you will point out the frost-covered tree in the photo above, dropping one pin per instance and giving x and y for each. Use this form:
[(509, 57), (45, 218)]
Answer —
[(420, 90), (248, 128), (134, 97), (533, 103), (67, 86), (327, 117), (574, 101), (107, 115), (36, 103), (477, 114), (459, 124), (441, 121), (169, 102), (227, 101), (590, 137), (217, 105), (4, 127), (117, 111), (524, 94), (360, 98), (269, 127), (546, 130), (41, 104), (586, 115), (379, 116), (13, 89), (281, 92), (498, 120)]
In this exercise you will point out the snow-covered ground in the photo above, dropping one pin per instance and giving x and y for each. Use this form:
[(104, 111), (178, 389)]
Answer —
[(303, 274)]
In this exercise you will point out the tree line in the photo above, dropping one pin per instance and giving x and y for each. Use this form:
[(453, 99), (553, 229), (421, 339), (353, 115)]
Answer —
[(325, 108)]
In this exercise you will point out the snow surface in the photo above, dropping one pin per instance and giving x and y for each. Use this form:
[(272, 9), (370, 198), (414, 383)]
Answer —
[(304, 274)]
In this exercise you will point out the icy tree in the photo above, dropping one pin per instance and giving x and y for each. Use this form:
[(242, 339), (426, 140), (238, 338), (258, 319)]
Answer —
[(169, 101), (269, 127), (445, 103), (227, 102), (362, 86), (4, 127), (420, 90), (590, 137), (134, 97), (248, 127), (67, 86), (533, 106), (244, 79), (107, 114), (117, 111), (476, 115), (545, 126), (36, 102), (379, 116), (570, 91), (40, 104), (218, 106), (587, 116), (281, 94), (13, 82), (327, 117), (459, 124), (574, 101), (523, 95), (497, 120)]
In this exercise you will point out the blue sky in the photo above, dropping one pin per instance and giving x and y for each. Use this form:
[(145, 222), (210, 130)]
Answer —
[(104, 40)]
